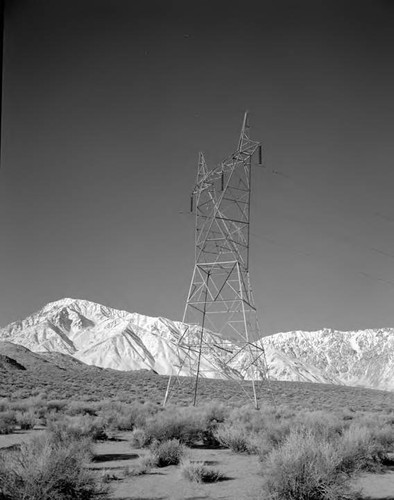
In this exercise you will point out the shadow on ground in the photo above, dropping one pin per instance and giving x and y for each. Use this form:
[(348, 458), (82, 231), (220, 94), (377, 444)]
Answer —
[(390, 497), (111, 457), (149, 498)]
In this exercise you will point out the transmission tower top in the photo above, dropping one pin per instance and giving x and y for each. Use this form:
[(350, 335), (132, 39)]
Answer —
[(221, 200)]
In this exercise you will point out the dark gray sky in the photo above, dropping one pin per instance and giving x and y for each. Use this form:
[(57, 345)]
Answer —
[(106, 105)]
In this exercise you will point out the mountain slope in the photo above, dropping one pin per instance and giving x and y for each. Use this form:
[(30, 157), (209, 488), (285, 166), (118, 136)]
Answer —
[(110, 338), (361, 358)]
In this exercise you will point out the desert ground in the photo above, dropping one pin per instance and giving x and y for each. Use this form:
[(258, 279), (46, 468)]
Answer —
[(242, 475), (114, 428)]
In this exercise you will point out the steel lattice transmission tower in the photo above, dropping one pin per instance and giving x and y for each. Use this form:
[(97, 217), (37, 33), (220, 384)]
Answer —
[(220, 298)]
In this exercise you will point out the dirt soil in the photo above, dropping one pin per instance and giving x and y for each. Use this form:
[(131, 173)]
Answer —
[(10, 441), (242, 474), (377, 486)]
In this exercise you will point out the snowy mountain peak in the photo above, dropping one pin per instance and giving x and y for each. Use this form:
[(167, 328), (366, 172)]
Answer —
[(111, 338)]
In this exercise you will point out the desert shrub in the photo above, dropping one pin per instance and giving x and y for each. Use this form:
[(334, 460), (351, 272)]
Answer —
[(78, 427), (167, 453), (138, 438), (7, 422), (215, 411), (304, 467), (28, 404), (124, 417), (210, 416), (46, 469), (183, 424), (234, 437), (57, 405), (4, 404), (274, 435), (322, 424), (20, 393), (81, 408), (26, 420), (385, 436), (252, 437), (260, 430), (250, 419), (198, 472), (360, 449)]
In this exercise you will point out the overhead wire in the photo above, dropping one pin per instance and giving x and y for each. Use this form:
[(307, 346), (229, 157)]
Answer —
[(374, 250)]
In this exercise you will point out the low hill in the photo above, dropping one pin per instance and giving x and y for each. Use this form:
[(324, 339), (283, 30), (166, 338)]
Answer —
[(90, 383)]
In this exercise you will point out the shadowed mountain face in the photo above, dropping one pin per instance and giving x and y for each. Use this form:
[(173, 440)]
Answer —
[(9, 364), (16, 357), (109, 338)]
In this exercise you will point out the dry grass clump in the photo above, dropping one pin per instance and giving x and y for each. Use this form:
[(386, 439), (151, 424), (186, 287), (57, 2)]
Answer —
[(198, 472), (47, 469)]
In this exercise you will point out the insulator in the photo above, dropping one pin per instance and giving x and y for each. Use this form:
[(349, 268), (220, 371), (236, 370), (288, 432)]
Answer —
[(260, 155), (191, 203), (222, 181)]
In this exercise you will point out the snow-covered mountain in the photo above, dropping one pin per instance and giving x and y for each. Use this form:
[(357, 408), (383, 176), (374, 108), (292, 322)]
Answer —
[(109, 338)]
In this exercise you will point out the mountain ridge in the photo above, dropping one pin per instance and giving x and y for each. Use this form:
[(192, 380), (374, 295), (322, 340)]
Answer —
[(111, 338)]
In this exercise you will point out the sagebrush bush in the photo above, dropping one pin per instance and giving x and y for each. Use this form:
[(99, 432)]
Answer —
[(304, 467), (27, 404), (236, 438), (78, 427), (122, 417), (360, 449), (167, 453), (250, 419), (4, 404), (7, 422), (198, 472), (57, 405), (138, 438), (81, 408), (182, 424), (255, 431), (322, 424), (26, 420), (385, 436), (47, 469)]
